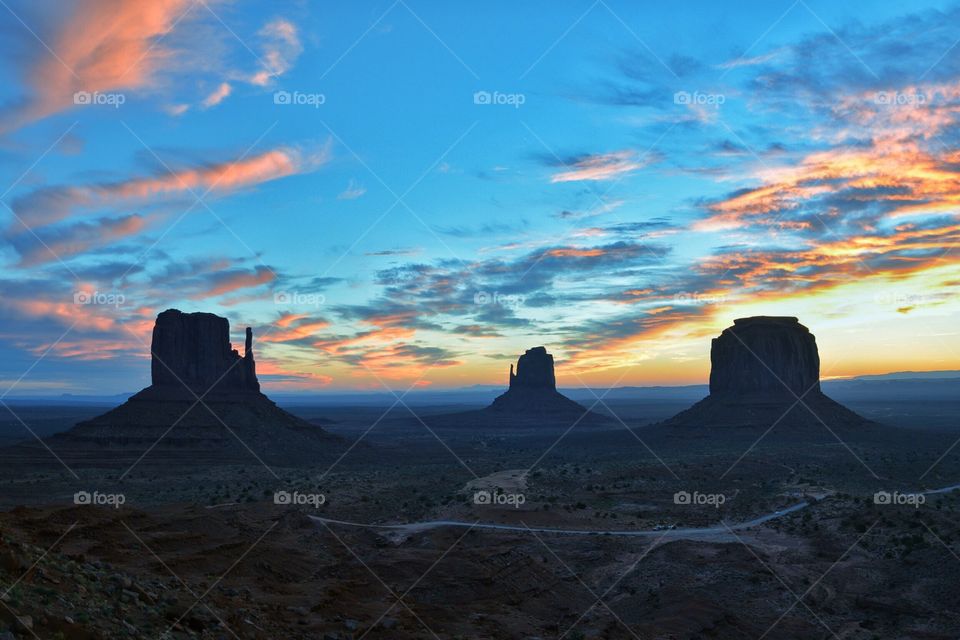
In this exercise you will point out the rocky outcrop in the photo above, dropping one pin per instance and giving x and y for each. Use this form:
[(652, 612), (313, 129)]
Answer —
[(193, 350), (204, 403), (764, 354), (532, 394), (534, 371), (765, 370)]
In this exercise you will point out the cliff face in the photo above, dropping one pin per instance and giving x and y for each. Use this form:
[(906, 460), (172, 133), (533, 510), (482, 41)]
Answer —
[(764, 354), (234, 418), (759, 368), (533, 397), (194, 349), (534, 371)]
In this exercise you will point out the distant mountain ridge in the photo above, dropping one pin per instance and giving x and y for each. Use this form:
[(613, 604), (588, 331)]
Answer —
[(482, 393), (910, 375)]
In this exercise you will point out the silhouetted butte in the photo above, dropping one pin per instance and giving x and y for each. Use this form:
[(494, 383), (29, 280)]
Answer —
[(204, 403), (765, 370)]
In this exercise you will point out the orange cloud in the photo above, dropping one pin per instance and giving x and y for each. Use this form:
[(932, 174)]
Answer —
[(66, 313), (51, 204), (289, 380), (227, 282), (287, 319), (103, 46), (895, 167), (575, 253), (62, 243), (600, 167), (299, 331)]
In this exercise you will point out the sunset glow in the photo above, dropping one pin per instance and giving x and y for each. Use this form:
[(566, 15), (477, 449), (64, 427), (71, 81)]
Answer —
[(405, 204)]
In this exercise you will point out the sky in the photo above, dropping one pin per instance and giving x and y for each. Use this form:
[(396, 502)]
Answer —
[(409, 194)]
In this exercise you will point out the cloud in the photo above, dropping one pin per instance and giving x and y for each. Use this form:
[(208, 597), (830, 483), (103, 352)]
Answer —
[(393, 252), (295, 328), (176, 110), (50, 204), (353, 191), (485, 229), (599, 208), (228, 281), (281, 48), (103, 46), (279, 375), (59, 243), (750, 61), (66, 312), (217, 96), (605, 166)]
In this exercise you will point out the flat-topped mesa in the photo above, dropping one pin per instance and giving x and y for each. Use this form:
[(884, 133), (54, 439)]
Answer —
[(765, 371), (194, 349), (764, 355), (534, 371)]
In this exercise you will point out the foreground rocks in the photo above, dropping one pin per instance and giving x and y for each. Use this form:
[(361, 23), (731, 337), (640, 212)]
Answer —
[(765, 371)]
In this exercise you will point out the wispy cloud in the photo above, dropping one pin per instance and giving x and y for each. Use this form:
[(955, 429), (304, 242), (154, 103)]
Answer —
[(104, 46), (51, 204), (604, 166), (353, 191), (217, 96), (58, 243), (281, 48)]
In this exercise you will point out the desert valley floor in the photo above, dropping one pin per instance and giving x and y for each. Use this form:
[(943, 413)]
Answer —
[(201, 550)]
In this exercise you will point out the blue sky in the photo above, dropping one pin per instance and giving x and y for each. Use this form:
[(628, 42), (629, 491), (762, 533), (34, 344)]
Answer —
[(411, 193)]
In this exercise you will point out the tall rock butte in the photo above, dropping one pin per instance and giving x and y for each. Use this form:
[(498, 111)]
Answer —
[(204, 404), (765, 355), (193, 350), (532, 394), (765, 370)]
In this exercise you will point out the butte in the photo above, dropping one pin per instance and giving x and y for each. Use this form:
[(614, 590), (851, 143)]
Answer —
[(765, 371), (204, 404)]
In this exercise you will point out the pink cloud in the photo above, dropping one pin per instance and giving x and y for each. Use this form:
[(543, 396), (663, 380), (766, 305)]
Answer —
[(281, 49), (217, 96), (51, 204), (603, 166), (229, 281), (65, 312), (103, 46), (64, 242)]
